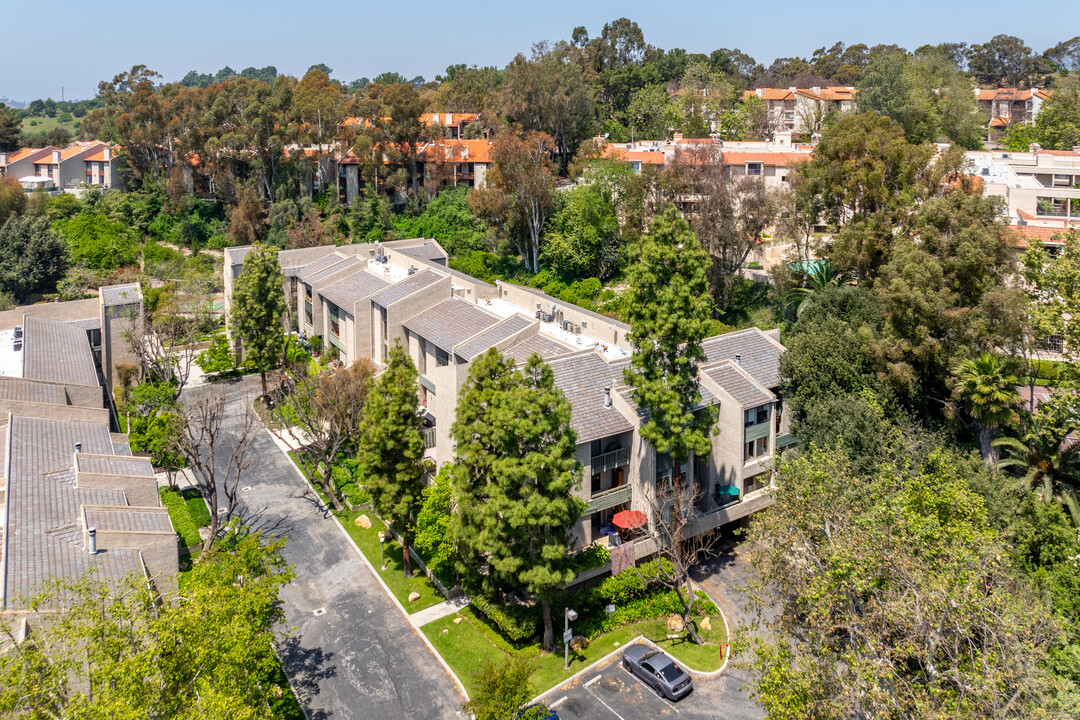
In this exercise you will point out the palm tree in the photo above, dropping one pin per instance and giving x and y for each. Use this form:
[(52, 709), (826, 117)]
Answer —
[(987, 391), (822, 274), (1050, 461)]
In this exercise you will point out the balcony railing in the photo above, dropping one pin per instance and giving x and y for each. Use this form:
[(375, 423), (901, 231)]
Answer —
[(609, 498), (610, 460), (429, 438)]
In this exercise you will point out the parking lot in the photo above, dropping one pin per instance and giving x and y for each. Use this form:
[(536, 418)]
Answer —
[(609, 692)]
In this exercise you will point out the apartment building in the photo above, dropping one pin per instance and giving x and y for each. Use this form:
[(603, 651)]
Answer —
[(1003, 107), (73, 498), (1038, 187), (442, 163), (81, 163), (361, 299), (801, 110)]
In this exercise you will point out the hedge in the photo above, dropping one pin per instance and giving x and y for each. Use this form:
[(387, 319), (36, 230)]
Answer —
[(516, 622), (591, 557), (185, 525)]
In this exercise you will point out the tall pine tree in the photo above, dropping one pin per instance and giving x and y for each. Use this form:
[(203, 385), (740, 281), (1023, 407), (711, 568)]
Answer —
[(669, 314), (515, 474), (390, 449), (258, 306)]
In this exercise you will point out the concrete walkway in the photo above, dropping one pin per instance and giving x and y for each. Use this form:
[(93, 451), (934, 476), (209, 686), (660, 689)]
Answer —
[(436, 612)]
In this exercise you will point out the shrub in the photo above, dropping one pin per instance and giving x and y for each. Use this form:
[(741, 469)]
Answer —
[(591, 557), (185, 525), (99, 243), (432, 529), (216, 358), (516, 622)]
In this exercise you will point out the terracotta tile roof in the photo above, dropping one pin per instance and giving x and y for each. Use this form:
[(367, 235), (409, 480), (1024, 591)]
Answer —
[(22, 153), (459, 151), (771, 94), (618, 151), (1024, 214), (999, 122), (1025, 234), (447, 119), (778, 159), (1013, 94), (99, 156), (1059, 153)]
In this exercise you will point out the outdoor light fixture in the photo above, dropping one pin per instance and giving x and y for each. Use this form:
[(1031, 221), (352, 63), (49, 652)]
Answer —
[(383, 535)]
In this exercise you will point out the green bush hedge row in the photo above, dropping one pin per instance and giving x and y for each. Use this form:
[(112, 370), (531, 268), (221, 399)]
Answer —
[(591, 557), (186, 526)]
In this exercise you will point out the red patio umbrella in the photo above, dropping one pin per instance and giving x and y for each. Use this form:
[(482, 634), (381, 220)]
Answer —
[(629, 519)]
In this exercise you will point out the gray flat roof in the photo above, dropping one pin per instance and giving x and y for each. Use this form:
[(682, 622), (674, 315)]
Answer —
[(582, 378), (44, 537), (405, 288), (347, 291), (492, 336), (758, 354), (738, 385), (450, 323), (428, 250), (57, 352)]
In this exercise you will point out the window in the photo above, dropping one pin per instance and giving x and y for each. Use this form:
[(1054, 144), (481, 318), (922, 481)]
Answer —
[(753, 168), (756, 415), (596, 483), (1062, 180), (595, 448), (756, 448), (335, 322), (442, 358), (308, 317)]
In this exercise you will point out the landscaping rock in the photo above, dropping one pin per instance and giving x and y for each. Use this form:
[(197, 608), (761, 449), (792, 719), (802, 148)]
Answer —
[(457, 621), (578, 643), (363, 521), (706, 624), (414, 596), (675, 623)]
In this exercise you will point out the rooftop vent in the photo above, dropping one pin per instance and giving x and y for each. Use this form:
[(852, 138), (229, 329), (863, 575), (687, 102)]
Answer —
[(738, 359), (607, 396), (78, 447), (91, 545)]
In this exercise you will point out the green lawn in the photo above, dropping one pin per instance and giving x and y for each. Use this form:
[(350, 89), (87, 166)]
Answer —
[(188, 513), (465, 645), (368, 542), (45, 124)]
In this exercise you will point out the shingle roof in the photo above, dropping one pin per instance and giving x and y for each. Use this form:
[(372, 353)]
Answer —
[(31, 391), (582, 378), (406, 287), (345, 292), (738, 385), (44, 538), (759, 355), (450, 322), (121, 294), (237, 254), (93, 323), (492, 336), (317, 266), (350, 262), (108, 464), (124, 519), (430, 250), (57, 352), (539, 344)]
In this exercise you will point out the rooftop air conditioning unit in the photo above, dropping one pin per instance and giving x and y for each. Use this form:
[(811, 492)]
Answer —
[(412, 270)]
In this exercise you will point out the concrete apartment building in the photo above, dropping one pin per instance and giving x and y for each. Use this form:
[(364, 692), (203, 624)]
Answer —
[(1040, 188), (360, 299), (73, 498)]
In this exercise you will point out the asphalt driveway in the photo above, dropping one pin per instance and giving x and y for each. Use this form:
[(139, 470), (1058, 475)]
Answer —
[(350, 653)]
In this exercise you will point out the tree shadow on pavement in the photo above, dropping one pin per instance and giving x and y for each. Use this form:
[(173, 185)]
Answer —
[(305, 668)]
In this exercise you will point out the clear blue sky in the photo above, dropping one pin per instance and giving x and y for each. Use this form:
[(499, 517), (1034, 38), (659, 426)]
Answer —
[(77, 44)]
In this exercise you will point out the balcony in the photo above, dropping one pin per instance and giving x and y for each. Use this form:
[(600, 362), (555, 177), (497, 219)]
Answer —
[(609, 498), (610, 460), (429, 438)]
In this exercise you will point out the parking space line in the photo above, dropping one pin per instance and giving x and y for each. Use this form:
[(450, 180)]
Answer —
[(590, 691), (595, 679), (649, 689), (557, 702)]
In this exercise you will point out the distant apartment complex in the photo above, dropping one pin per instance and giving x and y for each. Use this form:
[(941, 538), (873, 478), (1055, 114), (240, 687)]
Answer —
[(801, 110), (1003, 107), (361, 299), (73, 498), (1040, 189), (89, 163)]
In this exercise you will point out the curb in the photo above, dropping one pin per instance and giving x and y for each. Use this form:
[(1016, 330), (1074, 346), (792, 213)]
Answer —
[(364, 560), (587, 668)]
